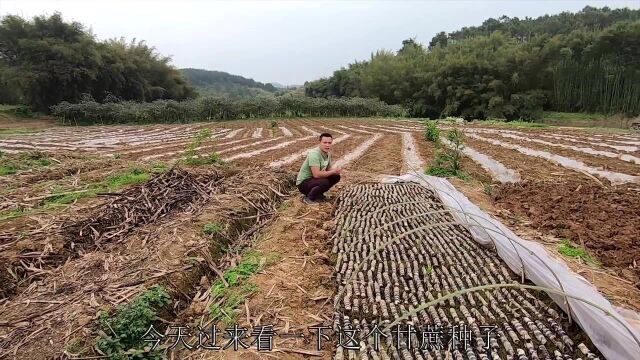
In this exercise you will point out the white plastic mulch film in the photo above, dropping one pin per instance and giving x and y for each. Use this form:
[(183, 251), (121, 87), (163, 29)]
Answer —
[(611, 334)]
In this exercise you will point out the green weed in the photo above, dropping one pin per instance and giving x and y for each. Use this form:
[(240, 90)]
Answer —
[(432, 133), (60, 199), (23, 161), (448, 160), (567, 116), (158, 167), (8, 169), (273, 124), (569, 249), (74, 347), (211, 159), (212, 228), (10, 214), (229, 298), (487, 188), (132, 177), (192, 158), (428, 270), (122, 330), (515, 124)]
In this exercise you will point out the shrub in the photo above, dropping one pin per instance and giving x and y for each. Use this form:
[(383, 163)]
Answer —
[(122, 330), (448, 160), (211, 228), (432, 133), (89, 111)]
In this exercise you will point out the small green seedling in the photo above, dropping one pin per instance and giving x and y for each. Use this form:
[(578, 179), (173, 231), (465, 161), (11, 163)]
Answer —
[(569, 249), (212, 228)]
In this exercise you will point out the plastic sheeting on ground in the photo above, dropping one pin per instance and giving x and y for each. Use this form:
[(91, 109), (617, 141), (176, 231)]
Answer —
[(614, 338)]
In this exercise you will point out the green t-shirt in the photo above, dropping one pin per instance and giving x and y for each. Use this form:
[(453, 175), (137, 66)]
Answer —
[(317, 158)]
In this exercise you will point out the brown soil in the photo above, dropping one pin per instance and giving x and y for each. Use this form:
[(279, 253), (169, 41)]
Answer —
[(619, 290), (271, 155), (383, 157), (610, 164), (583, 142), (604, 219), (529, 167), (337, 152)]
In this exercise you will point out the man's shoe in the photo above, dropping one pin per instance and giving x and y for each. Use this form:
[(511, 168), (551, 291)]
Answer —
[(323, 198), (308, 201)]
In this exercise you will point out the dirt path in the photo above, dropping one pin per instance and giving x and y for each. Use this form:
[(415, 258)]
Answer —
[(384, 157), (295, 292)]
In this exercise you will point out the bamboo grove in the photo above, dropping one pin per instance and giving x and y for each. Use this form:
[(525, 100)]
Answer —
[(46, 60), (507, 68), (89, 111)]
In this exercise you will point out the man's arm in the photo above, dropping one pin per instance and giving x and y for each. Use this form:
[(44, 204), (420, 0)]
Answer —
[(317, 173)]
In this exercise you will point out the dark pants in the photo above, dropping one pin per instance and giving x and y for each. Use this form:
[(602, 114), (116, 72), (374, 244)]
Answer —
[(315, 187)]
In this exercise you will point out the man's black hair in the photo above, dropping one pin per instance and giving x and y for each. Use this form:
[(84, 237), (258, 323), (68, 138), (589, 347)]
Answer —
[(324, 135)]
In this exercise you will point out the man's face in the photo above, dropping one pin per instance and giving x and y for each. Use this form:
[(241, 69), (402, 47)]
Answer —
[(325, 144)]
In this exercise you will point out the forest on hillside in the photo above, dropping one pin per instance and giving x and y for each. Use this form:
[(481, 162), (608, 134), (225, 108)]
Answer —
[(506, 68), (220, 83), (46, 60)]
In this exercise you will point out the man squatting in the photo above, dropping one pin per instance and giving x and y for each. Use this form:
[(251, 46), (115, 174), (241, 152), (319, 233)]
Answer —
[(317, 174)]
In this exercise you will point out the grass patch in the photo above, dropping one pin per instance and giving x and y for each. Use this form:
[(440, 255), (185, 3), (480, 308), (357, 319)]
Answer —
[(23, 161), (10, 214), (131, 177), (8, 169), (212, 228), (6, 132), (566, 116), (60, 198), (122, 331), (210, 159), (446, 172), (606, 130), (569, 249), (7, 107), (66, 199), (514, 124), (158, 168), (228, 299)]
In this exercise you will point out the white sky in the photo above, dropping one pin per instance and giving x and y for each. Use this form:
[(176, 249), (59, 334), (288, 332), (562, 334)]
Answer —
[(283, 41)]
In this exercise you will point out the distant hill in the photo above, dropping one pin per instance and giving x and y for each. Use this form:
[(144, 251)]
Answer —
[(286, 87), (220, 83)]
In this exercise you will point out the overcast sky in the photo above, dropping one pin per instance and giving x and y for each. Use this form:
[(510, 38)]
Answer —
[(282, 41)]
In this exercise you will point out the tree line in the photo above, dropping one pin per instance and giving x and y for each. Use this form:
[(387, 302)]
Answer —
[(506, 68), (46, 60), (220, 83), (90, 111)]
